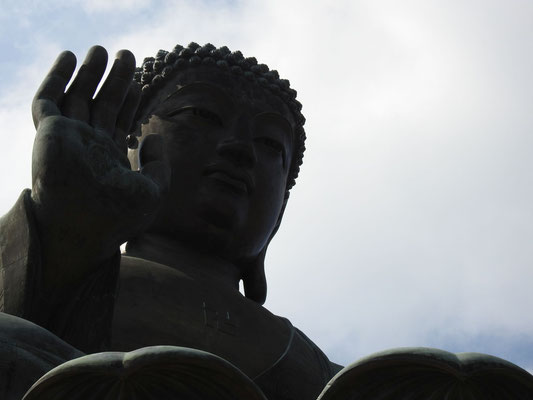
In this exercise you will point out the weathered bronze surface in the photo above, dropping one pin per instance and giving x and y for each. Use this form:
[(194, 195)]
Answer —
[(216, 142), (425, 373)]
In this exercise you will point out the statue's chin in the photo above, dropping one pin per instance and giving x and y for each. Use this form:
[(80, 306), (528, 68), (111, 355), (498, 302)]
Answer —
[(221, 204)]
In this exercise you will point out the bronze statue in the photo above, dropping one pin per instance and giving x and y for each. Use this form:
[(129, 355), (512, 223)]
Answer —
[(220, 140), (215, 143)]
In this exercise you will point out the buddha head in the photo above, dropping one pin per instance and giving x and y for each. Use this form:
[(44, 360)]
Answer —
[(232, 133)]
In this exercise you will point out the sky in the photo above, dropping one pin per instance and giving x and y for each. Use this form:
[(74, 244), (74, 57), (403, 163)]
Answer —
[(411, 223)]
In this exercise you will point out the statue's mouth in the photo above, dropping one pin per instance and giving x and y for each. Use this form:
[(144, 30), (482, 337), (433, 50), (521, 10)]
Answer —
[(236, 181)]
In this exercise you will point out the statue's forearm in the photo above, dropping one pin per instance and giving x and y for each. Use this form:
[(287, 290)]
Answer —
[(72, 248), (20, 259), (78, 310)]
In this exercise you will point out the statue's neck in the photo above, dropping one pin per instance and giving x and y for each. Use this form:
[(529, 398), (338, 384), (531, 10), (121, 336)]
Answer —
[(176, 254)]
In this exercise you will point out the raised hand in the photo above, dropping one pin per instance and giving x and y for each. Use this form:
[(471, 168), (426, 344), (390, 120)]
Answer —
[(86, 198)]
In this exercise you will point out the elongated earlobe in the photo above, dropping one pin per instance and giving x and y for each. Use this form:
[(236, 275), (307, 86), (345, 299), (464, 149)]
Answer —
[(254, 279)]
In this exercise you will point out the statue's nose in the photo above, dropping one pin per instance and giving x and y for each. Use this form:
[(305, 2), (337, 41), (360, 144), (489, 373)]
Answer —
[(239, 151), (238, 145)]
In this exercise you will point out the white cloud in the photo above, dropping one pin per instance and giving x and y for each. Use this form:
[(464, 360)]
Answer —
[(103, 6), (18, 132), (411, 223)]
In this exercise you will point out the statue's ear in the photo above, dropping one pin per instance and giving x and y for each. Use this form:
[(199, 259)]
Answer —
[(254, 279), (133, 152)]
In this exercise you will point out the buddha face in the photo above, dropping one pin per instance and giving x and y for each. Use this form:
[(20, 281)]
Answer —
[(229, 145)]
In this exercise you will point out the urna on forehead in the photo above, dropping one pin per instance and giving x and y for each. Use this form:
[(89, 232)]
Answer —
[(185, 65)]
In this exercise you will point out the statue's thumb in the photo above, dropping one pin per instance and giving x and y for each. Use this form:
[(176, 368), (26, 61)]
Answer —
[(159, 172), (153, 161)]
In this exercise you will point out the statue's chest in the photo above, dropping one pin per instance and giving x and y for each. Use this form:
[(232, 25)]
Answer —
[(157, 305)]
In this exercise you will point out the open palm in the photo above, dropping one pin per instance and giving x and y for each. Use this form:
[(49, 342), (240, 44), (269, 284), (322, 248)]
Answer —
[(83, 189)]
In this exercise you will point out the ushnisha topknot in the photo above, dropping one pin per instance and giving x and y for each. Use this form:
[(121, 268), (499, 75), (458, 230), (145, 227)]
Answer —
[(156, 71)]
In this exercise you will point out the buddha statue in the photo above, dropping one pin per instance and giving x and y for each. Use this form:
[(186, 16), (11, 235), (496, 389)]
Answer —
[(189, 159), (216, 141)]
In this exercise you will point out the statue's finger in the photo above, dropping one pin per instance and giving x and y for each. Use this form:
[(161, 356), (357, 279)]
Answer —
[(110, 98), (50, 93), (126, 114), (77, 101)]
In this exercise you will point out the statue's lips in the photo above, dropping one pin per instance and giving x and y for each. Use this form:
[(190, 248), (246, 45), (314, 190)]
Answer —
[(239, 183)]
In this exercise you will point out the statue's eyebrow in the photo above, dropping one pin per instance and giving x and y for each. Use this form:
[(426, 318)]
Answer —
[(280, 117), (276, 115), (207, 91)]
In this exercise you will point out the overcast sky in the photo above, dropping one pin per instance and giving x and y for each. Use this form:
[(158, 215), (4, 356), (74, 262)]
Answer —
[(412, 221)]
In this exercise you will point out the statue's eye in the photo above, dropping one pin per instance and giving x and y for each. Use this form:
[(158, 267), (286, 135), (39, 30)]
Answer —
[(272, 145), (200, 112)]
